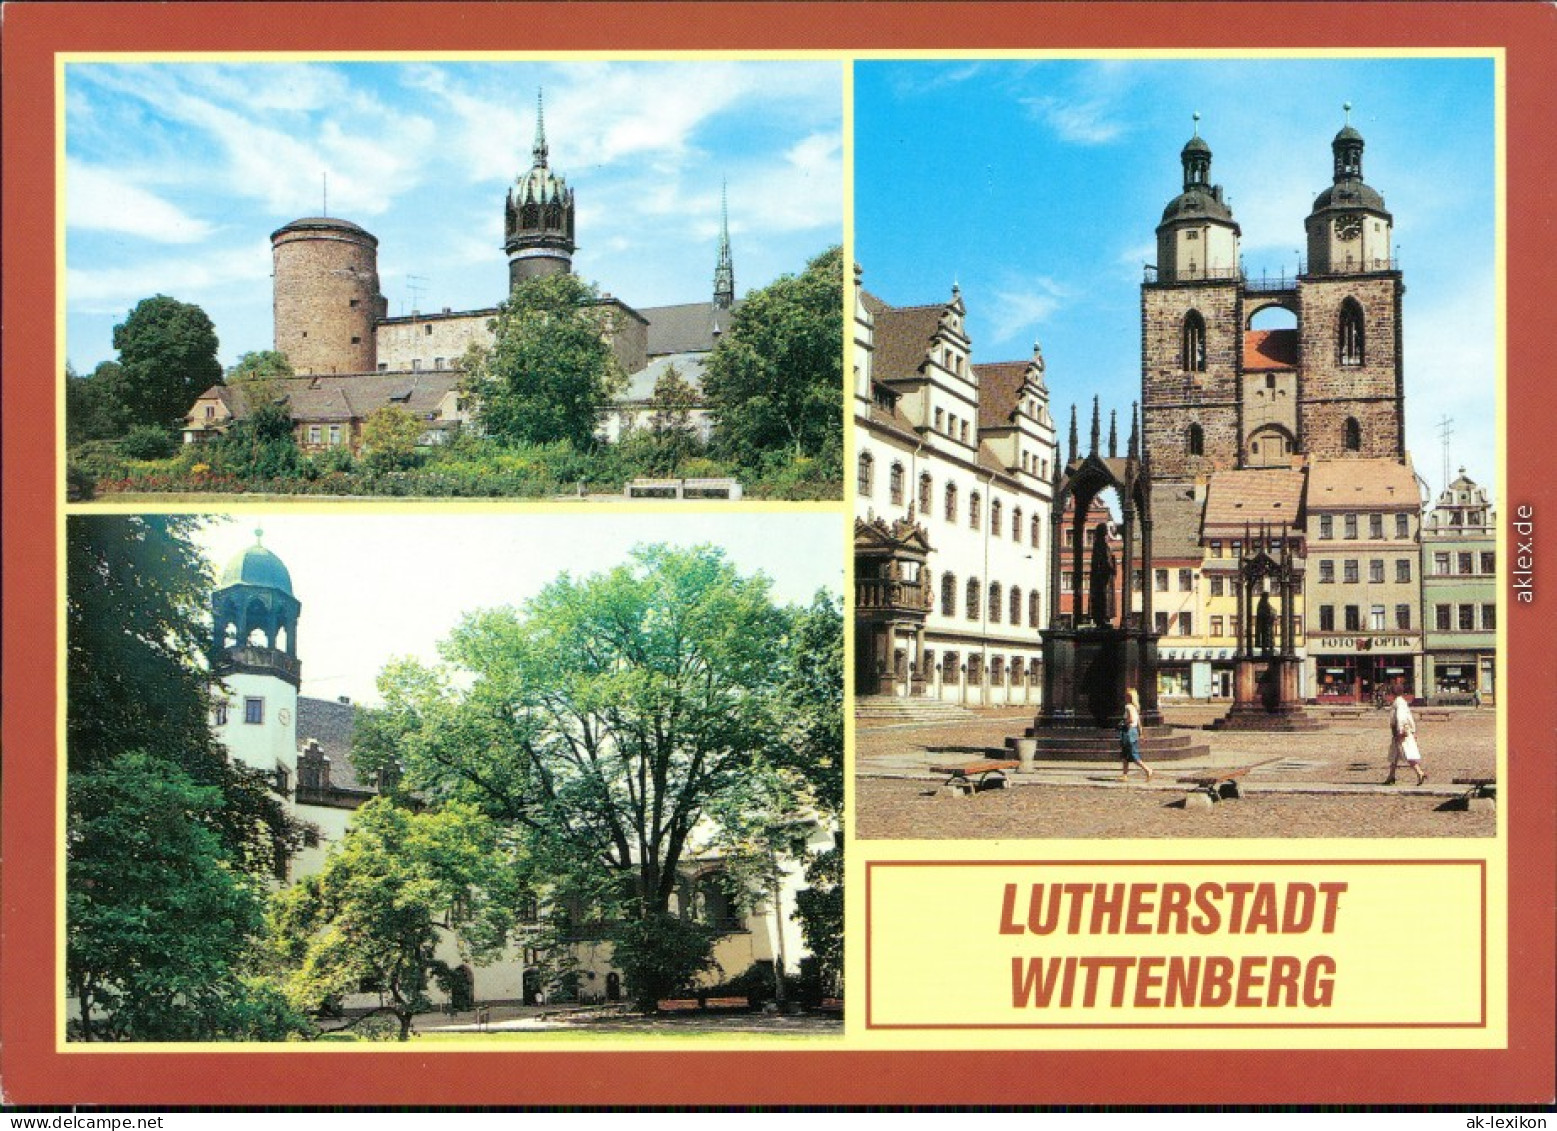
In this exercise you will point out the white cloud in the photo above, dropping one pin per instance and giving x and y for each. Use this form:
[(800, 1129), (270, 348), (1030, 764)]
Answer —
[(1020, 306), (98, 200), (1085, 122), (99, 290)]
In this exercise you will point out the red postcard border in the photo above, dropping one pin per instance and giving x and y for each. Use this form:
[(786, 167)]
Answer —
[(32, 1072)]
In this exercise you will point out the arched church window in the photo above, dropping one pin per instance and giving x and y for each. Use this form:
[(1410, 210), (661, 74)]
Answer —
[(1194, 353), (1351, 344), (926, 493), (867, 473), (895, 484), (948, 594), (972, 605), (1196, 440), (995, 604), (1351, 438)]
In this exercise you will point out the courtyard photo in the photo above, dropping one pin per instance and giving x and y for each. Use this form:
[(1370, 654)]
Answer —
[(1174, 464)]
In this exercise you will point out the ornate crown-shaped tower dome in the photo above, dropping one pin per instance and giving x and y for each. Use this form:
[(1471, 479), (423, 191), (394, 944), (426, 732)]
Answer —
[(1349, 227), (538, 219), (1198, 237)]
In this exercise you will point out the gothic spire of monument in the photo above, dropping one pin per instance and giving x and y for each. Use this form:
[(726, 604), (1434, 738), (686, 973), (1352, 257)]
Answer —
[(724, 270)]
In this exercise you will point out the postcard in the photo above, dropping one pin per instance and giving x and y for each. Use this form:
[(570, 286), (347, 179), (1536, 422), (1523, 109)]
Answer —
[(865, 554)]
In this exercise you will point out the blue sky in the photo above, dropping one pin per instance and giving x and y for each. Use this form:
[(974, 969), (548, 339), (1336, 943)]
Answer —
[(411, 577), (1037, 187), (177, 173)]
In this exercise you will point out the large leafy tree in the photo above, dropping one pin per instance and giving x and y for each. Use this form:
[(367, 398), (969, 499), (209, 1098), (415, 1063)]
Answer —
[(167, 358), (774, 383), (373, 915), (606, 720), (549, 374), (158, 921), (90, 413), (137, 700)]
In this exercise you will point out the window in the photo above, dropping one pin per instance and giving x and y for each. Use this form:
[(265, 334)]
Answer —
[(1216, 547), (1353, 618), (926, 493), (962, 431), (1376, 618), (1441, 618), (1349, 525), (1349, 569), (1232, 627), (335, 435), (1016, 605), (1351, 435), (1441, 564), (1326, 571), (1216, 626), (1160, 623), (1402, 570), (1160, 580), (1326, 618), (1402, 525), (975, 510), (940, 420), (1194, 353), (210, 412), (1326, 526), (1036, 537), (1376, 571), (1376, 526), (427, 328), (356, 339), (972, 605), (1467, 618), (416, 363), (997, 670), (951, 502), (1016, 525), (1218, 585), (1403, 617), (996, 518), (1186, 624), (1186, 580), (352, 302), (975, 668), (1489, 562), (995, 604), (1135, 581), (254, 710), (1465, 560), (867, 474), (1067, 581), (1489, 618), (1350, 341), (1032, 609), (315, 434), (895, 484), (219, 715), (948, 594), (1195, 442)]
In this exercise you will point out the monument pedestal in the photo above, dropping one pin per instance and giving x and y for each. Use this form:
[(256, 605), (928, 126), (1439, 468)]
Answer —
[(1265, 697)]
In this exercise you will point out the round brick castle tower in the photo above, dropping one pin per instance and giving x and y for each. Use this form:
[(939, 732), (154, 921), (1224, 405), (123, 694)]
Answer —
[(327, 298)]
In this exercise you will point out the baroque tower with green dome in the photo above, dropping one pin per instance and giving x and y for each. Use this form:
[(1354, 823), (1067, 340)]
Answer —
[(254, 651)]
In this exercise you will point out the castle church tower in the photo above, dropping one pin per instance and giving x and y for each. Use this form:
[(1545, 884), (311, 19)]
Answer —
[(1191, 328), (254, 651), (538, 217), (724, 269), (1351, 400)]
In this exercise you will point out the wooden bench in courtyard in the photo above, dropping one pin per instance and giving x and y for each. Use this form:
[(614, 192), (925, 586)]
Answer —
[(1479, 789), (1221, 785), (985, 773)]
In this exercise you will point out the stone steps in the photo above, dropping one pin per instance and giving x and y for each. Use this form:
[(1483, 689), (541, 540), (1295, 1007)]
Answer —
[(884, 710)]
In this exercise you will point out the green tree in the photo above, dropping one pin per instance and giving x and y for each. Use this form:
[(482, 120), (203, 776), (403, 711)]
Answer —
[(167, 358), (774, 383), (262, 444), (90, 413), (158, 921), (260, 365), (390, 437), (605, 720), (549, 374), (373, 915)]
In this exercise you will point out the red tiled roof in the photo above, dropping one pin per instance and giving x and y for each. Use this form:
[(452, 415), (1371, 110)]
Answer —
[(1270, 349), (903, 336), (1273, 495), (1347, 484), (1000, 391)]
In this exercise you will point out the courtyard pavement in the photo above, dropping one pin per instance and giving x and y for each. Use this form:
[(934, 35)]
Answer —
[(1324, 783)]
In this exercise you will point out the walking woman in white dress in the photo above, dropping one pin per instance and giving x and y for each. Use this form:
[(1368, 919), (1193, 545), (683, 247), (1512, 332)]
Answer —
[(1402, 729)]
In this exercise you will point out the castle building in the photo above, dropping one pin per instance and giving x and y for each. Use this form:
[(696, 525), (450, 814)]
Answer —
[(1459, 592), (303, 746), (351, 358), (954, 484)]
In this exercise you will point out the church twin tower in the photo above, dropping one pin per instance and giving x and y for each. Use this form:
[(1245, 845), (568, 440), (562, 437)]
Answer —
[(1218, 393)]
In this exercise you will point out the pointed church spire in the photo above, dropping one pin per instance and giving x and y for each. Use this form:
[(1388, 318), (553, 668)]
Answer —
[(1135, 437), (538, 150), (1113, 433), (724, 269), (1095, 431), (1072, 433)]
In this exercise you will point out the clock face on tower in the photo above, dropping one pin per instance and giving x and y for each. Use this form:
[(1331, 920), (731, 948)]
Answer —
[(1348, 226)]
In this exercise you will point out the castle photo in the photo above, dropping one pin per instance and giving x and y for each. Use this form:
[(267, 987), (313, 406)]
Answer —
[(380, 266)]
